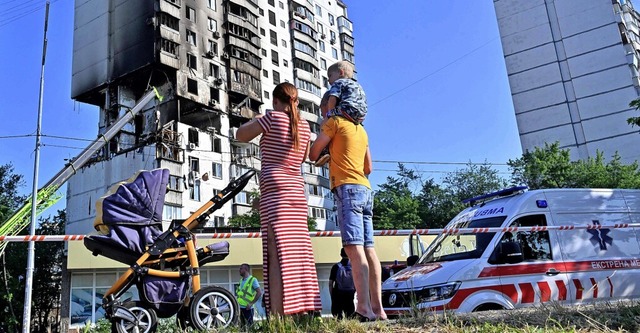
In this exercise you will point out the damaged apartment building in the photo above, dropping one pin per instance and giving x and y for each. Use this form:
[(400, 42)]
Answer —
[(215, 62)]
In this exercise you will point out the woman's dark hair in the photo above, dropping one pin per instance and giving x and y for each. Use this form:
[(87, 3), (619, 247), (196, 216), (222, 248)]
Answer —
[(287, 93)]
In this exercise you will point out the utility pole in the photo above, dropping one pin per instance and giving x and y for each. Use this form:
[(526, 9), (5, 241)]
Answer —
[(26, 316)]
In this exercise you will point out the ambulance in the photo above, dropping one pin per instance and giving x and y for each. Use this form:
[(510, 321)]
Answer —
[(567, 246)]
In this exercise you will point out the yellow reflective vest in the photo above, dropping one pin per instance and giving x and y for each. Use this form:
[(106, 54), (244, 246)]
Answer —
[(245, 292)]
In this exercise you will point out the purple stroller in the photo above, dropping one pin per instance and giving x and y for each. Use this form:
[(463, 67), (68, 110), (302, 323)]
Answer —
[(164, 266)]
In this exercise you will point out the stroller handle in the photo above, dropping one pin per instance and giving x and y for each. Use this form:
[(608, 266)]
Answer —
[(234, 187)]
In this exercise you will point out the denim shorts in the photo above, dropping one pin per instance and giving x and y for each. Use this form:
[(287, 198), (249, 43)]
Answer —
[(354, 204)]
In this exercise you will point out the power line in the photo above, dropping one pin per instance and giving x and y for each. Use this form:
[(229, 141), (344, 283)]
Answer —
[(439, 163), (432, 73)]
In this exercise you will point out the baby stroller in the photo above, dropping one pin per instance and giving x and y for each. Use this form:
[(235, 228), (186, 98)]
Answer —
[(164, 266)]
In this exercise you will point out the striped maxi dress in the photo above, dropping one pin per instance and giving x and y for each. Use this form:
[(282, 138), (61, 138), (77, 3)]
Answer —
[(283, 205)]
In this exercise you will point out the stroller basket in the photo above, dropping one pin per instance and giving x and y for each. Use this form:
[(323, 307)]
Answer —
[(163, 265)]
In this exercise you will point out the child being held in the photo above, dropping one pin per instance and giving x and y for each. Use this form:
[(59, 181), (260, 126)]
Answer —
[(346, 98)]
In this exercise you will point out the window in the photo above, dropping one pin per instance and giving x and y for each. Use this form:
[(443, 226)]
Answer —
[(333, 36), (169, 46), (191, 37), (175, 183), (193, 136), (320, 29), (317, 212), (171, 212), (318, 10), (285, 63), (214, 70), (242, 198), (276, 77), (304, 47), (334, 53), (169, 21), (331, 19), (325, 82), (271, 2), (216, 170), (218, 221), (321, 45), (261, 11), (262, 32), (308, 86), (273, 37), (315, 189), (272, 18), (266, 94), (216, 144), (323, 63), (265, 73), (213, 25), (212, 4), (535, 245), (283, 42), (192, 61), (281, 4), (274, 58), (194, 182), (191, 14), (212, 47), (192, 86), (282, 24)]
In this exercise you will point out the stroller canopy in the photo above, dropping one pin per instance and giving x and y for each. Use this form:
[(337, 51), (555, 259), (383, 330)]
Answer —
[(137, 201), (129, 216)]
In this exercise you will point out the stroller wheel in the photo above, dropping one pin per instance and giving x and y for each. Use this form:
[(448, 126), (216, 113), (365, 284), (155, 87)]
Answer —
[(213, 307), (146, 320)]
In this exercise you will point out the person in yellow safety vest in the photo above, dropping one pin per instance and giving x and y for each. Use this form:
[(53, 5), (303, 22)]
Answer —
[(248, 294)]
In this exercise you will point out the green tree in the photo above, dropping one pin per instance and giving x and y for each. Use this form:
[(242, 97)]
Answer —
[(437, 205), (395, 206), (47, 274), (11, 289), (634, 121), (551, 167), (547, 167)]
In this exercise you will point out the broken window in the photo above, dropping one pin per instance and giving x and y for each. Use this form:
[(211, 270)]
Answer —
[(192, 86)]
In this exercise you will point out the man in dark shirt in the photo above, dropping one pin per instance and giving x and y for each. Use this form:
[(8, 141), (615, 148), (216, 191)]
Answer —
[(341, 288)]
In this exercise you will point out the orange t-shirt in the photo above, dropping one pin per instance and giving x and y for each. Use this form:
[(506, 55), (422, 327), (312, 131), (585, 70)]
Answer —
[(347, 148)]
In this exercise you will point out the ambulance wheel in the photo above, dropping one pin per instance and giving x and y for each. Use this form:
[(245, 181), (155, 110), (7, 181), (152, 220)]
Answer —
[(213, 307), (146, 320)]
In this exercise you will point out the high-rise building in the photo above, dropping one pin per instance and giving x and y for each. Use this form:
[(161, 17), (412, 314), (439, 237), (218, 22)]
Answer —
[(217, 62), (573, 69)]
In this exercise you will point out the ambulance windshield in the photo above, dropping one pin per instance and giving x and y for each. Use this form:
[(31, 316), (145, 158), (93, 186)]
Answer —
[(449, 247)]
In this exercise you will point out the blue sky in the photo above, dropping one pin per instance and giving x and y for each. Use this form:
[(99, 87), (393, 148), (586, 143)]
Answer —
[(433, 72)]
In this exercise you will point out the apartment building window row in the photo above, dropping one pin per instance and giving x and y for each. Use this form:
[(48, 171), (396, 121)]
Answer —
[(272, 18), (246, 79), (317, 212), (169, 21), (275, 59), (243, 33), (243, 13), (304, 47), (213, 25), (175, 183), (304, 29), (331, 19), (306, 66), (273, 37), (212, 4), (242, 198), (169, 47), (246, 56), (308, 86), (344, 22), (303, 12), (321, 45), (347, 56), (347, 39)]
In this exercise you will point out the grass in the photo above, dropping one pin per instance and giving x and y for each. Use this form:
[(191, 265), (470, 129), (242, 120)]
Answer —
[(618, 317)]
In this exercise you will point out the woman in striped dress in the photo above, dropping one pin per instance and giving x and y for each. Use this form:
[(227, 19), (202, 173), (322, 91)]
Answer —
[(290, 278)]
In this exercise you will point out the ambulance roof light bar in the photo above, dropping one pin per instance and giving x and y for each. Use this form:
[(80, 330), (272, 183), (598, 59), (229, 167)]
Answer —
[(501, 193)]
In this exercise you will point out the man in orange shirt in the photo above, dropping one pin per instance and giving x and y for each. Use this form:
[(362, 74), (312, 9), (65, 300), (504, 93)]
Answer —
[(348, 169)]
